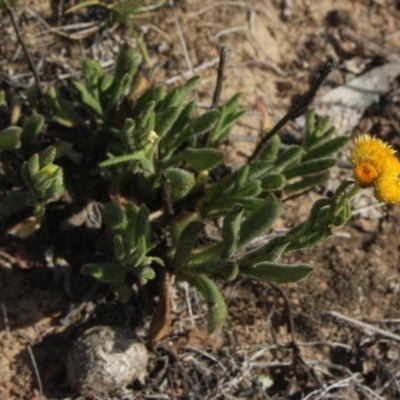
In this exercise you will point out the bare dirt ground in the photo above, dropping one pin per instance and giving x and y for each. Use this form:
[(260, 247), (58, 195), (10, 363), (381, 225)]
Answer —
[(271, 60)]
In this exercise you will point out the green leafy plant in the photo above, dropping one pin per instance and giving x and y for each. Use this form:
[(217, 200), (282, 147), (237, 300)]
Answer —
[(162, 165)]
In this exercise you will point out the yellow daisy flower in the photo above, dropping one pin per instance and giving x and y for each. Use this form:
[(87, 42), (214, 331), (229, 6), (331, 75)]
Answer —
[(372, 157), (387, 188)]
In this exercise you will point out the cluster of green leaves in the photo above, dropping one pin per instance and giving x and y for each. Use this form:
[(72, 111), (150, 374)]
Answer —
[(162, 157), (43, 179)]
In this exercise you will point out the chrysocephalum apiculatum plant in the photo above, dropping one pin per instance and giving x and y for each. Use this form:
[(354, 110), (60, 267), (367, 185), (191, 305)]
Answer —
[(162, 165)]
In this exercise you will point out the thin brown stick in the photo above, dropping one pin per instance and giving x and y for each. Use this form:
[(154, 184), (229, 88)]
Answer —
[(35, 368), (5, 318), (297, 110), (31, 65), (220, 78)]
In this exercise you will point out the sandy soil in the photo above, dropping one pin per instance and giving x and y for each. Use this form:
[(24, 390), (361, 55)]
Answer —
[(271, 61)]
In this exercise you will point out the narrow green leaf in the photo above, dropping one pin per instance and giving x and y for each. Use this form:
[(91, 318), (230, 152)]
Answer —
[(34, 164), (93, 74), (200, 125), (186, 244), (310, 128), (306, 183), (119, 248), (217, 269), (179, 223), (309, 167), (216, 306), (231, 231), (105, 272), (253, 189), (183, 118), (327, 148), (258, 169), (151, 94), (271, 150), (260, 220), (202, 159), (281, 273), (47, 156), (143, 222), (321, 128), (127, 136), (83, 96), (271, 252), (166, 120), (290, 156), (32, 128), (177, 96), (137, 156), (273, 182)]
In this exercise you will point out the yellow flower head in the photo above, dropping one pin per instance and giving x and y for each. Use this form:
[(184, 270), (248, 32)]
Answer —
[(372, 157), (387, 188)]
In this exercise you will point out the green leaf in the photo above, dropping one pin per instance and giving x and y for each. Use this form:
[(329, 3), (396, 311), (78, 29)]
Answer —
[(200, 125), (10, 138), (202, 159), (137, 156), (309, 167), (105, 272), (253, 189), (290, 156), (114, 217), (273, 182), (182, 182), (142, 222), (145, 273), (119, 248), (151, 94), (62, 111), (183, 118), (307, 182), (179, 223), (260, 220), (83, 96), (32, 128), (281, 273), (47, 156), (16, 201), (327, 148), (271, 252), (166, 120), (216, 306), (217, 269), (177, 96), (125, 69), (258, 169), (230, 114), (34, 164), (310, 128), (231, 231), (186, 244), (271, 150), (93, 74)]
